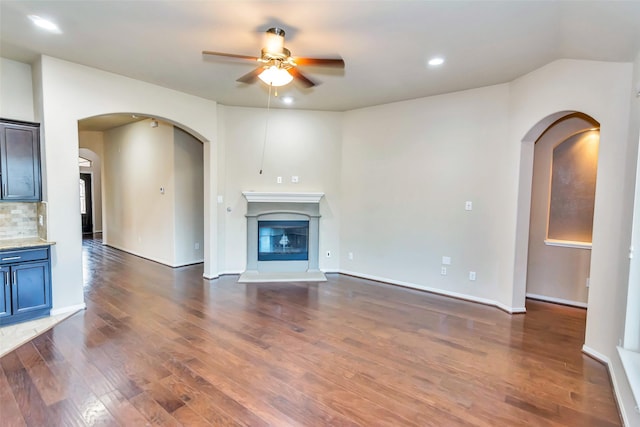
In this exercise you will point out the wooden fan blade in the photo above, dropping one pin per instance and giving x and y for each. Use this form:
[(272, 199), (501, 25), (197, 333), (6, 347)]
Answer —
[(321, 62), (251, 76), (230, 55), (300, 77)]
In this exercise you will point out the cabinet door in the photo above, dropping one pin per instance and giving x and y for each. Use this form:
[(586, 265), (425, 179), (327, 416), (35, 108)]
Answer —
[(20, 162), (31, 287), (5, 292)]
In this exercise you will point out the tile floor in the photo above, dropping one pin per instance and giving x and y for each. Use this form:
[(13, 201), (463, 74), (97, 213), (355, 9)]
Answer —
[(13, 336)]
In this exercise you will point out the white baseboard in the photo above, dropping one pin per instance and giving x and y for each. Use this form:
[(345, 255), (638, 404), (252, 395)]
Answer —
[(188, 263), (557, 300), (614, 382), (68, 309), (631, 364), (163, 262), (471, 298)]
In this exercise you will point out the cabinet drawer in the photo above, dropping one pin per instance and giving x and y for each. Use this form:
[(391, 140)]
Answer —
[(12, 257)]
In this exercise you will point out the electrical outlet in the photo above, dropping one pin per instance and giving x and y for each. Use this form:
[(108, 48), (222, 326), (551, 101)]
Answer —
[(443, 271), (294, 179), (350, 256), (472, 275), (196, 246), (446, 260), (41, 220), (588, 281), (468, 205), (328, 254)]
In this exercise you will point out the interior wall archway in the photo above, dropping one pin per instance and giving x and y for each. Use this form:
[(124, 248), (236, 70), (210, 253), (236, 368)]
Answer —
[(601, 90), (562, 197), (89, 92), (153, 186), (523, 214)]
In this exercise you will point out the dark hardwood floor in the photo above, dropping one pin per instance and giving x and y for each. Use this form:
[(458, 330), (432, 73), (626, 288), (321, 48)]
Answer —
[(162, 346)]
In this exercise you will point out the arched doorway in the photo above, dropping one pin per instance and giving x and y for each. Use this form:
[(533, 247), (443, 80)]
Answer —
[(152, 186), (91, 189), (562, 206)]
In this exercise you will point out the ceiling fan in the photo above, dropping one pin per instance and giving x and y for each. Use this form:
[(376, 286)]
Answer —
[(276, 65)]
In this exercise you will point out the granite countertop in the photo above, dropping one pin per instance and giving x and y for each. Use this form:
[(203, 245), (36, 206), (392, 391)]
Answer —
[(28, 242)]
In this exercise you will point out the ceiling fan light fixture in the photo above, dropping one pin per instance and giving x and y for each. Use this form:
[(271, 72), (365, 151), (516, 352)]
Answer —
[(275, 76), (274, 42)]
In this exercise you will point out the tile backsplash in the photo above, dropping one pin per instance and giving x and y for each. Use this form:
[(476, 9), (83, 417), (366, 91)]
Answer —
[(20, 220)]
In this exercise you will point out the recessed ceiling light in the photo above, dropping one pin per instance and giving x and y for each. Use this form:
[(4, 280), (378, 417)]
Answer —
[(45, 24), (436, 61), (287, 100)]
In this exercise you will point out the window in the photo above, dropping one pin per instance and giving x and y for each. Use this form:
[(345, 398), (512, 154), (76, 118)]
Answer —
[(83, 198), (84, 163)]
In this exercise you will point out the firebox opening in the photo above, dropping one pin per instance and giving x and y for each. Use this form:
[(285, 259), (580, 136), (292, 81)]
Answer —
[(283, 240)]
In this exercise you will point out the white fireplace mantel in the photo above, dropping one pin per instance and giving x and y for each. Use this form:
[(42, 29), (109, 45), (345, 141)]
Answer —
[(282, 206), (272, 197)]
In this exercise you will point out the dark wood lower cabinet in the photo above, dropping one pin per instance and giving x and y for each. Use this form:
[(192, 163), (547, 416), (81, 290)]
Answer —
[(26, 285)]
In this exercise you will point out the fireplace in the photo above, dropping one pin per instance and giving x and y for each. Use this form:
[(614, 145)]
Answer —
[(283, 231), (283, 240)]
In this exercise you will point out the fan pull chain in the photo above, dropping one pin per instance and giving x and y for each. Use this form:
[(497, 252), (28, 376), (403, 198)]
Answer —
[(266, 129)]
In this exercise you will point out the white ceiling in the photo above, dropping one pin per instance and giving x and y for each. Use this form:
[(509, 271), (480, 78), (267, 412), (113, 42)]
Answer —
[(385, 44)]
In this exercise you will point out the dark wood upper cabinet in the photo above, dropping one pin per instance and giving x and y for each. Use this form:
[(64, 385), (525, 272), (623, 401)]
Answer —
[(20, 161)]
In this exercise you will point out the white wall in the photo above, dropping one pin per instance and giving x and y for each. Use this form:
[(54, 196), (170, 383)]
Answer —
[(603, 91), (68, 92), (556, 273), (408, 169), (632, 322), (138, 162), (16, 90), (301, 143), (188, 171)]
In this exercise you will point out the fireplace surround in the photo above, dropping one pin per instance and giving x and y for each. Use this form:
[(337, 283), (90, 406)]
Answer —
[(272, 257)]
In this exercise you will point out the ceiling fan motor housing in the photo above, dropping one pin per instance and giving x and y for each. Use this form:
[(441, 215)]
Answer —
[(274, 43)]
